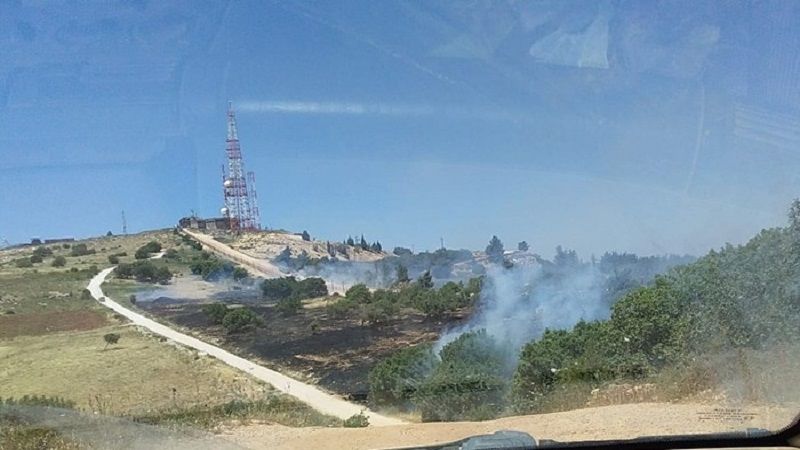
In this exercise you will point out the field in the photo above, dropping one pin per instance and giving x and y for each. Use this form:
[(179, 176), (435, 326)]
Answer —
[(338, 355), (52, 344)]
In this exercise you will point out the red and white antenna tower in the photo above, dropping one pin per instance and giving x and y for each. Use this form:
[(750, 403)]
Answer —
[(240, 200)]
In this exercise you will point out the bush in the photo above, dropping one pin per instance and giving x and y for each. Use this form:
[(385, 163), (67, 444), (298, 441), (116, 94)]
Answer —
[(211, 268), (23, 263), (59, 261), (81, 250), (111, 339), (290, 287), (146, 250), (240, 273), (358, 294), (289, 306), (341, 308), (113, 259), (171, 254), (395, 380), (239, 319), (42, 252), (35, 259), (216, 312), (86, 295), (144, 271), (356, 421)]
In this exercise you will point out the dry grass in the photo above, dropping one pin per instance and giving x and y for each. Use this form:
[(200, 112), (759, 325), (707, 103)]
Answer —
[(140, 375)]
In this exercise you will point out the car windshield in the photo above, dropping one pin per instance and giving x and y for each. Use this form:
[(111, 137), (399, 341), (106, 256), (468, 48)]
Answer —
[(382, 224)]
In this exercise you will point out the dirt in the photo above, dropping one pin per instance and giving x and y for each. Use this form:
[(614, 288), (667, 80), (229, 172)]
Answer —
[(601, 423), (338, 356), (36, 324)]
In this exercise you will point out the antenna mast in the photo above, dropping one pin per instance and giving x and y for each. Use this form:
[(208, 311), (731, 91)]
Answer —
[(240, 200)]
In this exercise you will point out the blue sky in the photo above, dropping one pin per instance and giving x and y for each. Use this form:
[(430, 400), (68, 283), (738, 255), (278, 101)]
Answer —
[(651, 127)]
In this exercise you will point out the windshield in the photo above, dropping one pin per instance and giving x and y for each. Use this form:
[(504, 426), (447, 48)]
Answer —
[(362, 224)]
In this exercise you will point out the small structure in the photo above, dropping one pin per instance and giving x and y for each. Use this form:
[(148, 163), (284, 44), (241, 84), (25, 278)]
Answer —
[(196, 223)]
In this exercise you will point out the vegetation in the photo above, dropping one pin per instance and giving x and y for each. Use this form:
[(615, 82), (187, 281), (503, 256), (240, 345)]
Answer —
[(280, 409), (211, 268), (23, 263), (110, 339), (232, 320), (144, 271), (59, 261), (359, 420), (81, 250), (240, 319), (292, 288), (146, 250), (113, 259)]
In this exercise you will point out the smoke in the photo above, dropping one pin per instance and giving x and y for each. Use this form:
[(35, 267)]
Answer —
[(517, 304)]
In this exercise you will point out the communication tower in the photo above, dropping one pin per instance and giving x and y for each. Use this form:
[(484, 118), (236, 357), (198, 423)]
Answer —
[(238, 186)]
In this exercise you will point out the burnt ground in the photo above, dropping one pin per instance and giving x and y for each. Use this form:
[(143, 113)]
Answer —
[(338, 356)]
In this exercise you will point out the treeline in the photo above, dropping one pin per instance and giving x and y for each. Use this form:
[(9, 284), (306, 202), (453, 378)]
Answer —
[(732, 301), (144, 271), (211, 268)]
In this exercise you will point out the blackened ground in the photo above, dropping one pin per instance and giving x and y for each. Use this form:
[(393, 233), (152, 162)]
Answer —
[(339, 355)]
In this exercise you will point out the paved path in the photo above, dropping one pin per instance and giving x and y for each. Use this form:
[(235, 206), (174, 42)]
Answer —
[(306, 393)]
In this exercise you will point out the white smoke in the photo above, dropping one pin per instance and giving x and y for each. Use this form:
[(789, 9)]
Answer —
[(517, 304)]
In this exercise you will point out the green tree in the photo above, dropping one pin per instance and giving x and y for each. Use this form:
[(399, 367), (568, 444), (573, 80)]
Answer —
[(59, 261), (402, 274), (425, 280), (523, 246), (306, 236), (240, 273), (216, 312), (289, 306), (110, 339), (495, 250), (239, 319), (358, 294)]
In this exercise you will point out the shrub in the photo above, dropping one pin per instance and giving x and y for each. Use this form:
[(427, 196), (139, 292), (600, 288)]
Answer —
[(42, 252), (59, 261), (35, 259), (358, 294), (341, 308), (144, 251), (289, 306), (171, 254), (86, 295), (240, 273), (113, 259), (356, 421), (216, 312), (81, 250), (132, 299), (395, 380), (286, 287), (144, 271), (239, 319), (23, 263), (110, 339)]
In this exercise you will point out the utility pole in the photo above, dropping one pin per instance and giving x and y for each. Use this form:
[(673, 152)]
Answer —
[(124, 223)]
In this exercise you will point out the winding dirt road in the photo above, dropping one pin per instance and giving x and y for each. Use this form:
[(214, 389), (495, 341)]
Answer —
[(308, 394)]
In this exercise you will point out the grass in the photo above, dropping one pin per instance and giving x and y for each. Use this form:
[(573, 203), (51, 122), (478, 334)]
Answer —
[(276, 408), (140, 375)]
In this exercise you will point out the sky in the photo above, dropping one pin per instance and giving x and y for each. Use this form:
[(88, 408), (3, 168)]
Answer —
[(651, 127)]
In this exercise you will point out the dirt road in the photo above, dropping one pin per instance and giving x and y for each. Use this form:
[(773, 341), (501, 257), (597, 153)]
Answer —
[(306, 393), (601, 423), (261, 267)]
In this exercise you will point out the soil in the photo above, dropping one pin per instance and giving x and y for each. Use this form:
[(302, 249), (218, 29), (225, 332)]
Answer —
[(36, 324), (601, 423), (338, 356)]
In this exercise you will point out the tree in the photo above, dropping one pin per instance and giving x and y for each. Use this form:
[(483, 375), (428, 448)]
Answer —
[(109, 233), (81, 250), (426, 280), (495, 250), (350, 241), (110, 339), (306, 236), (144, 251), (239, 319), (113, 259), (522, 246), (23, 262), (35, 259), (402, 274), (216, 312), (358, 294), (240, 273), (363, 244)]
